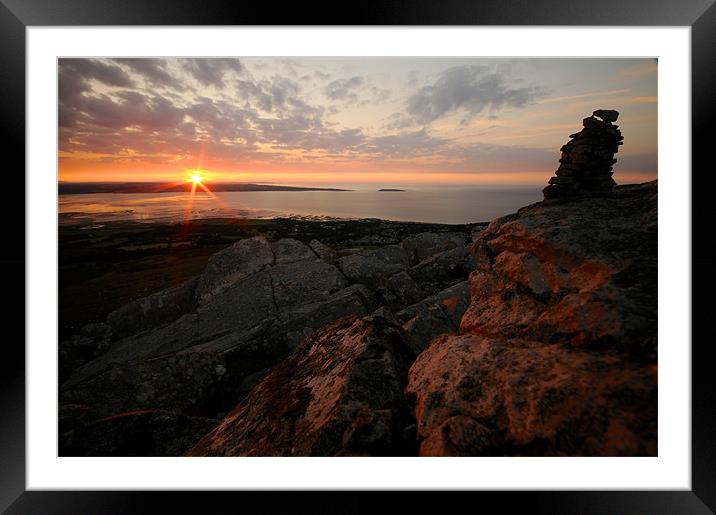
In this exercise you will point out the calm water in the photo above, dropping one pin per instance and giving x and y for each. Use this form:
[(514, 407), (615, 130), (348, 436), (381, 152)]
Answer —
[(440, 206)]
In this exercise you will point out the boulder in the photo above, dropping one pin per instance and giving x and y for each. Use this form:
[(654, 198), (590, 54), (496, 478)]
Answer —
[(401, 289), (608, 115), (299, 323), (582, 273), (287, 250), (426, 244), (324, 252), (234, 263), (368, 269), (305, 282), (339, 394), (392, 255), (156, 309), (385, 273), (445, 268), (482, 396), (435, 315)]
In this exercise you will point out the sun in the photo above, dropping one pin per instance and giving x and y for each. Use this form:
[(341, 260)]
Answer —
[(196, 178)]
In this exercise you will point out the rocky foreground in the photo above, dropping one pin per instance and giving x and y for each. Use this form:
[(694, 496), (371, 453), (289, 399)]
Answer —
[(533, 336)]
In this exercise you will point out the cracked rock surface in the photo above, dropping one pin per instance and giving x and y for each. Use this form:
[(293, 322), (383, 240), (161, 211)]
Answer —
[(198, 348)]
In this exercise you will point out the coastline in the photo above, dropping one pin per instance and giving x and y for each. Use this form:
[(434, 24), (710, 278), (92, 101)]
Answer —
[(83, 188), (451, 206)]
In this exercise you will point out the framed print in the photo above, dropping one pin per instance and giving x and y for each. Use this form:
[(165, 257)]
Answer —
[(437, 250)]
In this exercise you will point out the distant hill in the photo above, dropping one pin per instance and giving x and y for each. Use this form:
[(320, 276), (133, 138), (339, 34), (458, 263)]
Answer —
[(78, 188), (390, 189)]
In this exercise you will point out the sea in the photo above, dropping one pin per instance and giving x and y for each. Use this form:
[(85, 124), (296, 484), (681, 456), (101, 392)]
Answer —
[(448, 206)]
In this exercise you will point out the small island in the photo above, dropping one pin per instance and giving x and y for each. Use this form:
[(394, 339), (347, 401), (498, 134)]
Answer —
[(390, 189)]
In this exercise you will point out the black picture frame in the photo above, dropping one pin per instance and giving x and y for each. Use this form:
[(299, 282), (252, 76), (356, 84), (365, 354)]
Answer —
[(700, 15)]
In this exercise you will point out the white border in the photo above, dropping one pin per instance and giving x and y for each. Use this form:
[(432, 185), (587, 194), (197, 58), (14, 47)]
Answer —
[(671, 469)]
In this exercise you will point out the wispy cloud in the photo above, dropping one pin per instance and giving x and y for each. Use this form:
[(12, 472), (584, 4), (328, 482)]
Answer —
[(638, 70), (642, 100), (590, 94)]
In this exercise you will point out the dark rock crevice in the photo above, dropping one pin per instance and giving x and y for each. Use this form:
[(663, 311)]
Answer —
[(273, 294)]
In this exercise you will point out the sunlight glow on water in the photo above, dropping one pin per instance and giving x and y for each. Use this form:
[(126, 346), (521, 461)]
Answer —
[(445, 206)]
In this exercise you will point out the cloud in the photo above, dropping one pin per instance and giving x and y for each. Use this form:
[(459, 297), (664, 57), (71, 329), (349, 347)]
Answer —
[(378, 96), (132, 123), (269, 95), (93, 69), (211, 71), (220, 119), (342, 89), (155, 110), (153, 71), (251, 91), (70, 85), (471, 89), (590, 94), (413, 77), (652, 99), (75, 76), (404, 144), (131, 109)]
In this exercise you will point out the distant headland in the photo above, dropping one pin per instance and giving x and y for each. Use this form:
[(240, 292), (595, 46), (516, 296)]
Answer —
[(390, 189), (78, 188)]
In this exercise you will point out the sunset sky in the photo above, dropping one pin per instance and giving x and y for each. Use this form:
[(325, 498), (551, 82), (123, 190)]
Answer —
[(346, 121)]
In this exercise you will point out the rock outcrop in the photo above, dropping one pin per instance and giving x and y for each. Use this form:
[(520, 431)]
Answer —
[(255, 300), (197, 349), (339, 394), (557, 351), (481, 396), (581, 273), (535, 336), (587, 159)]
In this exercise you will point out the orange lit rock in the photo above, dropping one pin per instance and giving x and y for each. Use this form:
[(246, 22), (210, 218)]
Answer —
[(482, 396), (557, 349), (581, 272), (339, 394)]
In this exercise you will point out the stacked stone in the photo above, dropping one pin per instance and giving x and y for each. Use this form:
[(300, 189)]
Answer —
[(587, 159)]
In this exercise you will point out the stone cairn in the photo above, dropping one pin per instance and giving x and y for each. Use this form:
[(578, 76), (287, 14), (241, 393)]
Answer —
[(587, 159)]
